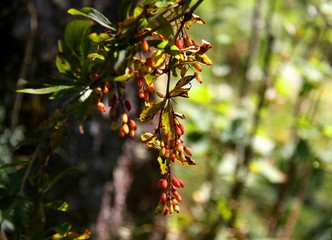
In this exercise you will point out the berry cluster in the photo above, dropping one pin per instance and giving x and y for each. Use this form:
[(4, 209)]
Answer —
[(151, 56), (128, 125), (170, 197), (172, 148)]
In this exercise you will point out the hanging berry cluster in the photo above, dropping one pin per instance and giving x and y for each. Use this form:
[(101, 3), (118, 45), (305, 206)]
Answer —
[(151, 47)]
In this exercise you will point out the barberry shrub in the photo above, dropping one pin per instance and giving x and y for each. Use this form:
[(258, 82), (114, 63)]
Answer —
[(97, 59)]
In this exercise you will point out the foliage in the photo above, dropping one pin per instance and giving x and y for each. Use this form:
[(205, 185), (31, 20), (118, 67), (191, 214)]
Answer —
[(97, 60)]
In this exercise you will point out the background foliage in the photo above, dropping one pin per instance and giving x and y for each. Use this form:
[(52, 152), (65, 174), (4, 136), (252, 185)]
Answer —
[(260, 127)]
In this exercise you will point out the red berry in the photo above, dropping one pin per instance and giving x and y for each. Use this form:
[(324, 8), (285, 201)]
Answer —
[(187, 150), (198, 77), (176, 182), (188, 42), (128, 105), (151, 62), (145, 45), (163, 198), (132, 133), (166, 210), (101, 107), (182, 128), (177, 196), (125, 128), (179, 43), (181, 183), (124, 117), (162, 184), (132, 124), (198, 66), (178, 131)]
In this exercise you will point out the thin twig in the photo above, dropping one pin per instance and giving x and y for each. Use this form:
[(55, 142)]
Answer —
[(26, 62)]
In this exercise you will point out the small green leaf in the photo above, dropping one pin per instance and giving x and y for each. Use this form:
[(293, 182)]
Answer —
[(150, 111), (58, 205), (99, 38), (62, 64), (160, 44), (123, 77), (163, 166), (94, 15), (96, 55), (45, 90), (150, 78)]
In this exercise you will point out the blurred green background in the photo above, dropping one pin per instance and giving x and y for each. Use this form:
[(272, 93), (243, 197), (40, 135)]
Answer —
[(260, 125)]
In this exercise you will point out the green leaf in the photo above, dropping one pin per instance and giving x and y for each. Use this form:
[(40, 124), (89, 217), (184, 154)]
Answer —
[(76, 37), (58, 205), (150, 140), (94, 15), (62, 64), (150, 78), (163, 166), (123, 77), (96, 55), (150, 111), (99, 38), (160, 44), (167, 120), (159, 57), (45, 90)]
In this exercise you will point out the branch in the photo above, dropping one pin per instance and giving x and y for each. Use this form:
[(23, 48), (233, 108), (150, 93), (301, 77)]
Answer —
[(26, 62)]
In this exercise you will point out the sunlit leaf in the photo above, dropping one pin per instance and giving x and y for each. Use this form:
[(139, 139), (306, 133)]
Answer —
[(99, 38), (45, 90), (123, 77), (184, 81), (203, 58), (150, 140), (194, 19), (167, 120), (180, 92), (150, 111), (96, 55), (159, 57), (94, 15), (163, 166), (72, 236), (187, 162), (160, 44)]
